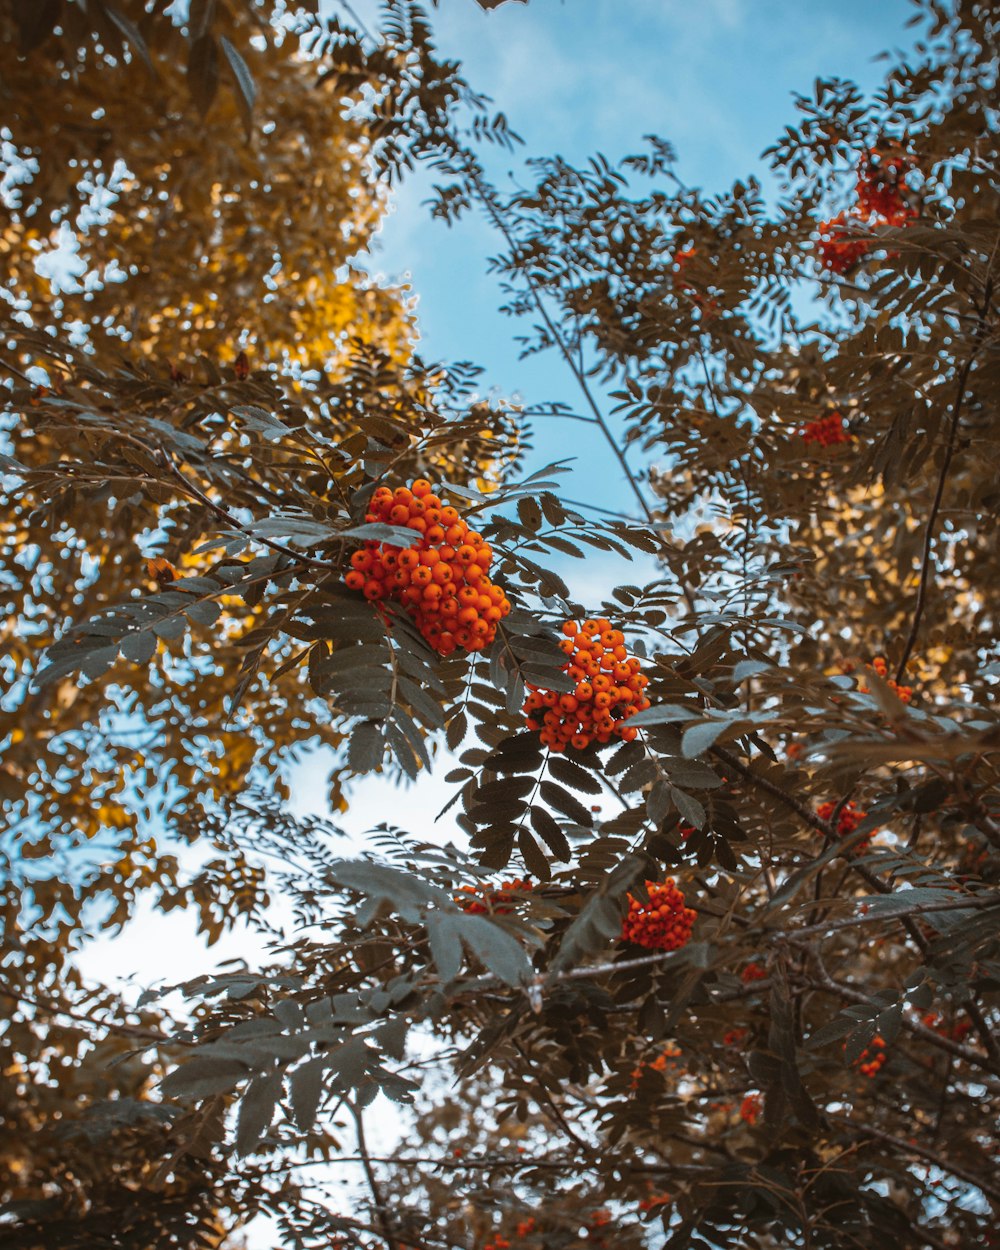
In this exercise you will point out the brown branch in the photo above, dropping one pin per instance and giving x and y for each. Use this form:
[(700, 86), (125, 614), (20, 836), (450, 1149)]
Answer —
[(823, 827), (297, 557), (850, 922), (378, 1200), (849, 995), (926, 563), (954, 1169), (109, 1026)]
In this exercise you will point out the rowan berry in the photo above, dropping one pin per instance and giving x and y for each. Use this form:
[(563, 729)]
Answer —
[(488, 899), (881, 187), (441, 578), (665, 1059), (753, 972), (664, 923), (873, 1058), (956, 1032), (598, 708), (826, 431), (880, 666), (750, 1108), (839, 249), (848, 820)]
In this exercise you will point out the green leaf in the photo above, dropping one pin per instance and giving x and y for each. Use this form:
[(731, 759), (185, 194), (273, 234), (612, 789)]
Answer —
[(565, 802), (203, 72), (573, 775), (444, 934), (365, 748), (131, 33), (199, 1077), (550, 833), (662, 714), (692, 773), (457, 729), (698, 738), (404, 890), (534, 857), (658, 802), (749, 668), (832, 1031), (689, 807), (306, 1089), (497, 949), (257, 1110), (246, 90), (139, 646)]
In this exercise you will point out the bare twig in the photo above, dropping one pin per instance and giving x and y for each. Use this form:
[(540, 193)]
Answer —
[(378, 1200), (932, 1156), (926, 564)]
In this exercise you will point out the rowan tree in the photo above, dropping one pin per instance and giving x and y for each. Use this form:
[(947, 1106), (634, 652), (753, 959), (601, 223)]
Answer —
[(717, 962)]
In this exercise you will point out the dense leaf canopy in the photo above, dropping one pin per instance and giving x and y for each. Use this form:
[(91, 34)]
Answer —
[(718, 960)]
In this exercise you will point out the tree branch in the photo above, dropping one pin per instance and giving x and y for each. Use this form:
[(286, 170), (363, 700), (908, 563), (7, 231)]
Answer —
[(909, 1147), (956, 416), (381, 1210)]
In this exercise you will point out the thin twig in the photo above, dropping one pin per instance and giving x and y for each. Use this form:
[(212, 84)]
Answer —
[(381, 1210), (488, 201), (926, 564), (849, 995), (909, 1147)]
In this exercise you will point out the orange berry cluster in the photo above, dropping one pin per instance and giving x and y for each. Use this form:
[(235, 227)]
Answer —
[(848, 820), (839, 249), (753, 972), (609, 689), (664, 924), (881, 184), (751, 1108), (665, 1059), (826, 431), (494, 902), (441, 579), (879, 665), (880, 189), (654, 1200), (872, 1059), (733, 1037), (956, 1032)]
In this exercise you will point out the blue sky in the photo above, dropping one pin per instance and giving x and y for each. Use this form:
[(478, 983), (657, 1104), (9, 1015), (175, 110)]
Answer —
[(713, 77)]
